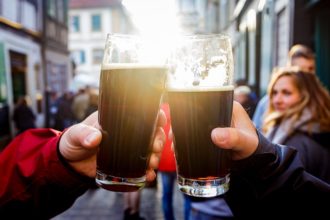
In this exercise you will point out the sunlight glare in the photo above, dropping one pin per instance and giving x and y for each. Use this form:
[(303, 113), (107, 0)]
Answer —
[(156, 21)]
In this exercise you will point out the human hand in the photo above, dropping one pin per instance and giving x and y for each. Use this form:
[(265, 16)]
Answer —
[(79, 145), (241, 138), (158, 145)]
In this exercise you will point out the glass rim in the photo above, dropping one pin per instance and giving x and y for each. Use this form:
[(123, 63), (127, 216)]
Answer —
[(122, 35), (193, 36), (207, 36)]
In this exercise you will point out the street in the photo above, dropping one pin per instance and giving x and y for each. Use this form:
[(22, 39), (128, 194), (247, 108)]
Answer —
[(100, 204)]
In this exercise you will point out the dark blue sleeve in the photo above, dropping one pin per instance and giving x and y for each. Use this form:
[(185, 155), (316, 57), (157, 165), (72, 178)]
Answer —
[(274, 178)]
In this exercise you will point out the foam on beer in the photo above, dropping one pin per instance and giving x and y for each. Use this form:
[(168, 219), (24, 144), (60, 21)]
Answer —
[(199, 88), (130, 65)]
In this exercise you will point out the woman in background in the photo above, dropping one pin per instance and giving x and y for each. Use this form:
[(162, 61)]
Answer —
[(299, 116)]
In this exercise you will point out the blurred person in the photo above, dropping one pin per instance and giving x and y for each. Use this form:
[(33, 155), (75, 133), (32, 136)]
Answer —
[(210, 209), (80, 104), (132, 205), (299, 55), (43, 171), (303, 57), (23, 115), (242, 94), (93, 101), (167, 171), (64, 117), (299, 116), (4, 122), (53, 107), (243, 82)]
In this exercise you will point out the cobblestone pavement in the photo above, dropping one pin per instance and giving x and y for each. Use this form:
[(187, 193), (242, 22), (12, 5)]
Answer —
[(100, 204)]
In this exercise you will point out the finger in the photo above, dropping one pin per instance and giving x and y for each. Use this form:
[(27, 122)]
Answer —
[(170, 134), (241, 119), (161, 118), (83, 135), (79, 142), (92, 120), (242, 138), (154, 161), (150, 175), (242, 143), (159, 140)]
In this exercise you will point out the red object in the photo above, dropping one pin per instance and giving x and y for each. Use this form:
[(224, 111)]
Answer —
[(34, 181), (167, 161)]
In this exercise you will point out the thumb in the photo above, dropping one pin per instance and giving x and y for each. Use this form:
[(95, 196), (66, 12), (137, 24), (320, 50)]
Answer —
[(241, 142), (84, 135), (79, 142)]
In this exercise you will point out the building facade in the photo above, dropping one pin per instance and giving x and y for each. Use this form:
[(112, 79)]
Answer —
[(56, 56), (20, 60), (262, 32), (265, 30), (33, 57), (89, 23)]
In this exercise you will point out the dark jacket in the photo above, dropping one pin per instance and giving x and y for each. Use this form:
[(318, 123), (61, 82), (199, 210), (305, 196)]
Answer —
[(312, 144), (24, 118), (314, 152), (272, 184)]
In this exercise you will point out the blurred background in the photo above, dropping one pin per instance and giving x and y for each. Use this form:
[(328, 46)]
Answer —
[(49, 48)]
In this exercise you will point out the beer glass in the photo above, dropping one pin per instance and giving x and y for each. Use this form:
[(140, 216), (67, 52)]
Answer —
[(132, 83), (200, 93)]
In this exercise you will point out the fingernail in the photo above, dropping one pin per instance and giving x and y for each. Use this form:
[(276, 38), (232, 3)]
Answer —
[(219, 136), (160, 144), (91, 137)]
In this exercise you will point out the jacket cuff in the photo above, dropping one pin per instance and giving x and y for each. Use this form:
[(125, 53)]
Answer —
[(263, 156), (60, 171)]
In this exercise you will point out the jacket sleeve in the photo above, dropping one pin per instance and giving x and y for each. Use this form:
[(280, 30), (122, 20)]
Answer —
[(35, 182), (273, 178)]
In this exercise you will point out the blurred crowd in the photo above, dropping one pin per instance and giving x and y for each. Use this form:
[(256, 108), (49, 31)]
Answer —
[(64, 110), (71, 108)]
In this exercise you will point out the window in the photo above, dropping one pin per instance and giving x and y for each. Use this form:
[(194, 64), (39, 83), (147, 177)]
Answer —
[(78, 57), (75, 23), (282, 41), (51, 8), (96, 22), (97, 56), (65, 11), (29, 15), (3, 84), (60, 9), (10, 10)]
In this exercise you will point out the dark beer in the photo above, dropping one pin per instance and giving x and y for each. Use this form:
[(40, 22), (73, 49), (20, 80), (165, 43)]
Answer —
[(129, 102), (194, 114)]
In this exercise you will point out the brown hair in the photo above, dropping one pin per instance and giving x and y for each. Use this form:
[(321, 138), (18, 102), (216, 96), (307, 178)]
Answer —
[(314, 96), (300, 50)]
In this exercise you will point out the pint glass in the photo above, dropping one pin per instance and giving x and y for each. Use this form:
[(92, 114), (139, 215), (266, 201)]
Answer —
[(132, 83), (200, 94)]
